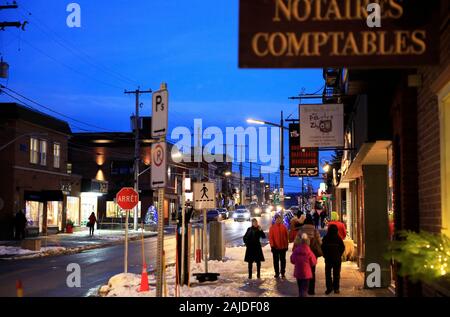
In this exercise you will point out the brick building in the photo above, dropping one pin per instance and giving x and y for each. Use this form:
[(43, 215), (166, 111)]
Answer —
[(33, 164), (410, 162)]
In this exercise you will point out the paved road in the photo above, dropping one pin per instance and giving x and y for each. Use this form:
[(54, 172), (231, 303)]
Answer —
[(47, 276)]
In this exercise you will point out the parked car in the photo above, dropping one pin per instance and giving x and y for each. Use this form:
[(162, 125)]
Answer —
[(224, 213), (242, 214)]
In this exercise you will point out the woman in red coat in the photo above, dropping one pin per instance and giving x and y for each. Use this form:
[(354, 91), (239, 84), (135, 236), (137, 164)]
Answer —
[(91, 223), (303, 259)]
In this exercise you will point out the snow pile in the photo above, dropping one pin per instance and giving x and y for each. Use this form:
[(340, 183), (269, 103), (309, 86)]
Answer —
[(233, 276), (16, 251)]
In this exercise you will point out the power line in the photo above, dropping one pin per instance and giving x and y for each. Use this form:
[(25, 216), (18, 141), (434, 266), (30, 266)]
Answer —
[(82, 55), (50, 109), (69, 67)]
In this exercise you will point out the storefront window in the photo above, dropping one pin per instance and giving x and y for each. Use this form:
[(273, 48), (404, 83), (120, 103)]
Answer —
[(114, 211), (33, 213), (73, 209), (88, 206), (54, 213)]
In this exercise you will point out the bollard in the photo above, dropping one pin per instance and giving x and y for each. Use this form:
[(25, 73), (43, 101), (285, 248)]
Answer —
[(198, 245)]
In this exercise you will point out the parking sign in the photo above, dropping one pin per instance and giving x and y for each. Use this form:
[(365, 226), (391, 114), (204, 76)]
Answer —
[(160, 107)]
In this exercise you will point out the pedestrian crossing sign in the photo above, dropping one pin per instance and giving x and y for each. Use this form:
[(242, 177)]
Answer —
[(204, 195)]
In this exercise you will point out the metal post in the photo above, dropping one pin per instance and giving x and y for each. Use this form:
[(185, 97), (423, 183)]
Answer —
[(282, 160), (160, 244), (183, 229), (303, 194), (136, 157), (205, 240), (126, 242)]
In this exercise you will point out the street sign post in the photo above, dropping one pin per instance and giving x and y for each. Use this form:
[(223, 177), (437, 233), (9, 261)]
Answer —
[(127, 198), (159, 165), (204, 195), (205, 198), (160, 107), (160, 111)]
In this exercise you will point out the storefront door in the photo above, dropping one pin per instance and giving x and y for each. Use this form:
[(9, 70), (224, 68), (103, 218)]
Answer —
[(88, 206)]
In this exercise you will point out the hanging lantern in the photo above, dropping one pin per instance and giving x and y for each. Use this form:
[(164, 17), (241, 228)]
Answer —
[(4, 67)]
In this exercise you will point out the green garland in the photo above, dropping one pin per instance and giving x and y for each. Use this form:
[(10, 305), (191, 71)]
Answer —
[(422, 256)]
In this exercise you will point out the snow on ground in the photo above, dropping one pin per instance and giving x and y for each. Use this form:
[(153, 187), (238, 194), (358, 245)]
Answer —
[(5, 250), (233, 276), (233, 280)]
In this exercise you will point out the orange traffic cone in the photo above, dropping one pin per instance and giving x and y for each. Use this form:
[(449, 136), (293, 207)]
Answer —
[(19, 288), (144, 279)]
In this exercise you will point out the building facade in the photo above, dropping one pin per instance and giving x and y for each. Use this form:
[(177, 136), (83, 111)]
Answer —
[(37, 178)]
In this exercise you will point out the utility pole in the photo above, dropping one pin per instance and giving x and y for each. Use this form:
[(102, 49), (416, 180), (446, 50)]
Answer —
[(4, 24), (137, 159)]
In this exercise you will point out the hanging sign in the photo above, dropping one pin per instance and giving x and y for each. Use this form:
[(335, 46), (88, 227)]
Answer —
[(322, 125), (338, 33), (302, 161)]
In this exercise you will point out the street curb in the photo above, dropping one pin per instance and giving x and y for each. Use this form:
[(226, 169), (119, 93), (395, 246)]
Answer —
[(74, 250)]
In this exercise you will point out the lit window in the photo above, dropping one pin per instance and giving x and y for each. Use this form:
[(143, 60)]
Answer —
[(43, 152), (56, 155), (34, 151)]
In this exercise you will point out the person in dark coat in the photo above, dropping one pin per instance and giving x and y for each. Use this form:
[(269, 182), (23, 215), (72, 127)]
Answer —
[(332, 249), (316, 218), (254, 252), (20, 222), (92, 221), (323, 217)]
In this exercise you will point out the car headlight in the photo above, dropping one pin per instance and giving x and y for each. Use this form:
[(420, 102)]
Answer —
[(268, 209), (257, 210), (235, 215)]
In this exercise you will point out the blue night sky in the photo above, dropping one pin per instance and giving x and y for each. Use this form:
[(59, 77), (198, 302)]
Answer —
[(190, 45)]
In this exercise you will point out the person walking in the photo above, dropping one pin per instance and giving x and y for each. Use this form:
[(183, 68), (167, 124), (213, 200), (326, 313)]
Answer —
[(278, 239), (303, 259), (340, 225), (323, 217), (91, 224), (316, 218), (332, 248), (313, 234), (20, 222), (254, 252)]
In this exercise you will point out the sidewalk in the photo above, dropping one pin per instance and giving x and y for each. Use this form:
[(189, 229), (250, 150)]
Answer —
[(64, 243), (233, 280)]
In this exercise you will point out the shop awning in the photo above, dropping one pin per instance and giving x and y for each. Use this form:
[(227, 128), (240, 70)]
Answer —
[(373, 153)]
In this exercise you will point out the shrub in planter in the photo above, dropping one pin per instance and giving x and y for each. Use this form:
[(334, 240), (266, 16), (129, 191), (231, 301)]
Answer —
[(69, 226)]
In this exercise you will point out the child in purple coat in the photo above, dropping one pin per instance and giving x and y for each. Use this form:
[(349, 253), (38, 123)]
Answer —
[(303, 259)]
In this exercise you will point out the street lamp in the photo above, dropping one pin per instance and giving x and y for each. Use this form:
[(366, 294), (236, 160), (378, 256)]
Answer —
[(227, 173), (326, 167), (281, 126)]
